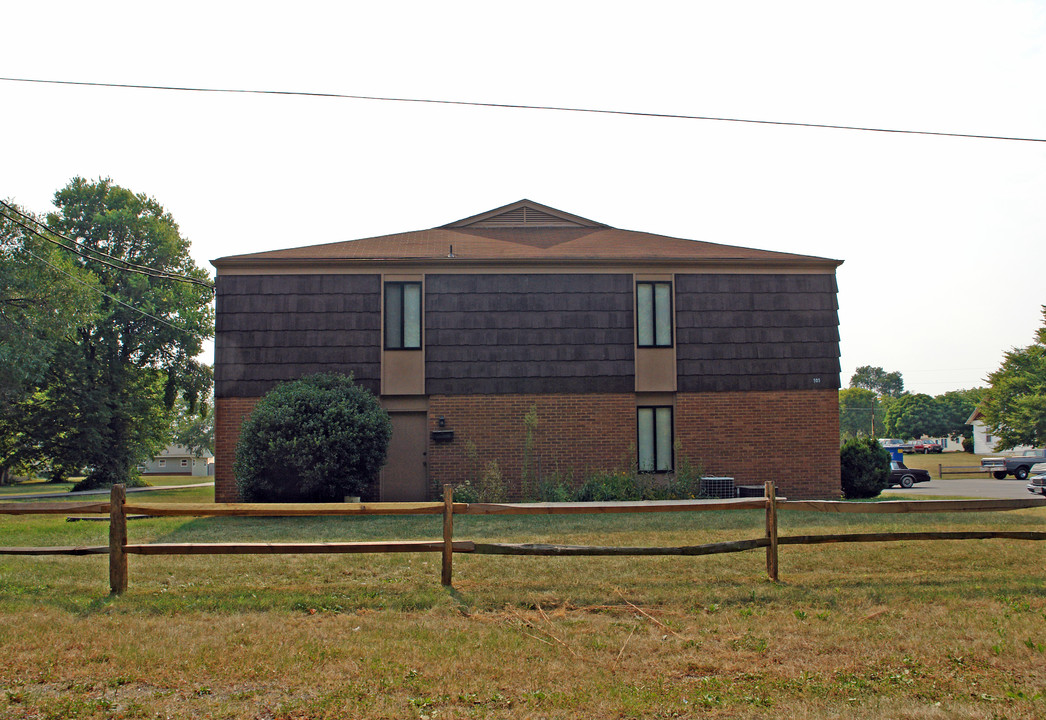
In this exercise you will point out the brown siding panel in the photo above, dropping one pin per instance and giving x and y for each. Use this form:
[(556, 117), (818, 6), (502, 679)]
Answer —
[(271, 328), (757, 332), (528, 333)]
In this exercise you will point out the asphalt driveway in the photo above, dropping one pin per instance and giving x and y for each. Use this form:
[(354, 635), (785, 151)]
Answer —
[(987, 487)]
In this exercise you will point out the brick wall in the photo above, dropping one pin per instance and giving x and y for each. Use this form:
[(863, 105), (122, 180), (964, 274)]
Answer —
[(229, 414), (790, 437), (580, 432)]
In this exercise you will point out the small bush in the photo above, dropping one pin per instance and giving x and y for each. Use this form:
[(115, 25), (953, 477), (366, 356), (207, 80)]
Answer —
[(555, 491), (466, 492), (316, 439), (865, 467), (491, 485), (685, 484), (967, 444), (610, 485)]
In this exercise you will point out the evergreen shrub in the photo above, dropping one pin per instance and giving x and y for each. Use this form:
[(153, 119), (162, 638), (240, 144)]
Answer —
[(316, 439), (865, 467)]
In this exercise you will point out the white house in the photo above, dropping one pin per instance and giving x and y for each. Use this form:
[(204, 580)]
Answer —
[(178, 460), (984, 441)]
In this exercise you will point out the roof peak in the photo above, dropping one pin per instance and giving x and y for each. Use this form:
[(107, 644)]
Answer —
[(525, 214)]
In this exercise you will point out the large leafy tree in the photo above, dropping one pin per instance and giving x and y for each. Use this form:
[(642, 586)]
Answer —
[(860, 413), (44, 297), (1014, 404), (106, 402), (887, 384), (955, 408), (913, 415)]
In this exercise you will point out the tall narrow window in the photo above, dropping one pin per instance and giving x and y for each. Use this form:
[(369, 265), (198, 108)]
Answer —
[(654, 439), (654, 314), (402, 315)]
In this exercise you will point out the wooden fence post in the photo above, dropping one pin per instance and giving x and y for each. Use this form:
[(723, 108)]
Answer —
[(448, 534), (771, 530), (117, 541)]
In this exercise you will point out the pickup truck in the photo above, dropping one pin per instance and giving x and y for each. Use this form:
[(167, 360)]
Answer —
[(1019, 465)]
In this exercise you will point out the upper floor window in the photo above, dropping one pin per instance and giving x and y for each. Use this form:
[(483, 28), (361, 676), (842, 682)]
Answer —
[(654, 314), (402, 315)]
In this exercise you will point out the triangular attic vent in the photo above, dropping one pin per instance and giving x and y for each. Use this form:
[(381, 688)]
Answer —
[(525, 214)]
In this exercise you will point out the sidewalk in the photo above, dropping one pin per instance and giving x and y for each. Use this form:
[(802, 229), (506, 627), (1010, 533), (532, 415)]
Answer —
[(104, 491)]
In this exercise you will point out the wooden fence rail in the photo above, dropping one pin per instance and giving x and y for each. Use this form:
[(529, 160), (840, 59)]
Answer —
[(943, 470), (119, 548)]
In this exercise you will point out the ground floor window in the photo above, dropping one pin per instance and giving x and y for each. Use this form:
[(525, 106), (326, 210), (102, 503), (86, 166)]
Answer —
[(163, 463), (654, 438)]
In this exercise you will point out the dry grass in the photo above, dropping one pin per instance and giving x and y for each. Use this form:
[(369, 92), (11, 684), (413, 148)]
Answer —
[(904, 630), (930, 463)]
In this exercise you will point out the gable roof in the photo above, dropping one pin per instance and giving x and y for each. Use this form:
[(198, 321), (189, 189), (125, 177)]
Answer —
[(523, 232), (524, 214)]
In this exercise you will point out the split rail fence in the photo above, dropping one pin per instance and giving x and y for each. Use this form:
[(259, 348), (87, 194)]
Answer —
[(118, 509)]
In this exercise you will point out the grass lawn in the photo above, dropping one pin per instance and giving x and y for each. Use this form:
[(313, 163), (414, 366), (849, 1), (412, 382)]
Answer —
[(39, 486), (902, 630), (930, 462)]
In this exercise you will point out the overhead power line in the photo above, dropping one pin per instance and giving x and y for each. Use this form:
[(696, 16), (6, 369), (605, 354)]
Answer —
[(513, 106), (84, 251), (105, 294)]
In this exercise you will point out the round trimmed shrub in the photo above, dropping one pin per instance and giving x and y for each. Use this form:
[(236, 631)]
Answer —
[(316, 439), (865, 466)]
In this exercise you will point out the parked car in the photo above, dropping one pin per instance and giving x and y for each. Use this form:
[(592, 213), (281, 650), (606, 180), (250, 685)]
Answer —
[(1037, 485), (895, 444), (926, 446), (901, 474)]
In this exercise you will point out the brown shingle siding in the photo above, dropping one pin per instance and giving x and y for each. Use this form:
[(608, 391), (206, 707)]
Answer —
[(271, 328), (712, 317), (756, 332), (512, 333)]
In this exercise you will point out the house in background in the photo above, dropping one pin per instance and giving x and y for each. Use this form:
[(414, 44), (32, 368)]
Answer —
[(627, 348), (178, 460), (984, 441)]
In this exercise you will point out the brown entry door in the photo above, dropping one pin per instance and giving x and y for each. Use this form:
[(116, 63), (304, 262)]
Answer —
[(404, 477)]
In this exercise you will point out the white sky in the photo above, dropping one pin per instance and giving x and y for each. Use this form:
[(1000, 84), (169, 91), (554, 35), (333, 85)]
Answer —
[(943, 238)]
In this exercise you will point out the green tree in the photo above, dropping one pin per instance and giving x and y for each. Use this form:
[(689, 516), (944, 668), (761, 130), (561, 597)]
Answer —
[(955, 408), (1014, 404), (44, 297), (106, 402), (860, 413), (878, 380), (315, 439), (864, 466), (193, 428), (912, 416)]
